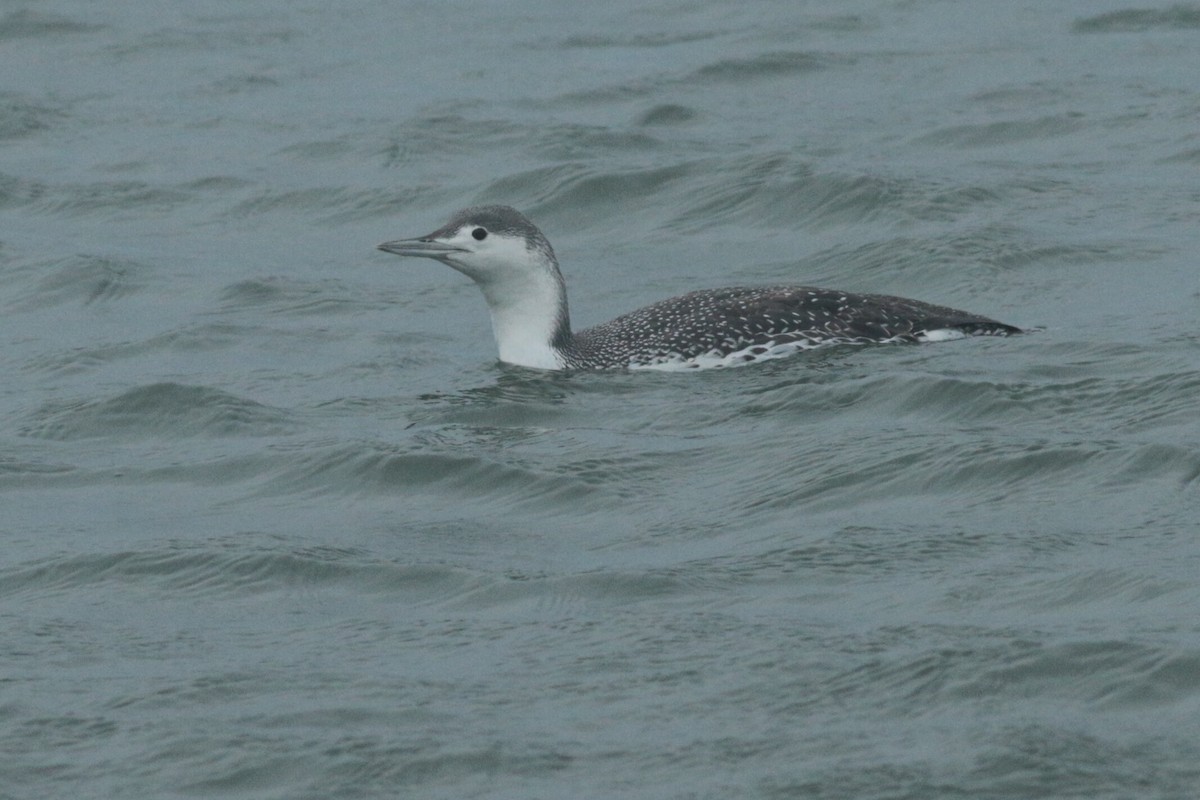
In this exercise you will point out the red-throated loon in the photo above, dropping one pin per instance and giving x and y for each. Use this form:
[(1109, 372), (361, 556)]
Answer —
[(513, 263)]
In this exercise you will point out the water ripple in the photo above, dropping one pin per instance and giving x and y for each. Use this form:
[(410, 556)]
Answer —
[(26, 24), (83, 279), (113, 199), (764, 65), (158, 409), (1179, 17), (378, 468), (1005, 132), (22, 116), (194, 572)]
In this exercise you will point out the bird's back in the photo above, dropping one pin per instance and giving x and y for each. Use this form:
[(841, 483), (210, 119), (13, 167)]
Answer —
[(740, 324)]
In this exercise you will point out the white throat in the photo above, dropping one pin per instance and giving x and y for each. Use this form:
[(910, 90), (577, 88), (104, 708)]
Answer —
[(524, 320), (527, 300)]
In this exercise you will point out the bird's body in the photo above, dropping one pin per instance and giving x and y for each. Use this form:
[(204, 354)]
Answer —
[(515, 267)]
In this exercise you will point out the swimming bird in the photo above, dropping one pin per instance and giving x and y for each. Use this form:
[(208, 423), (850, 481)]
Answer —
[(514, 265)]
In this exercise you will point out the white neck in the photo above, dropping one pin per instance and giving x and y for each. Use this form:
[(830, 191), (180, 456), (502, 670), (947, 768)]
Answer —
[(524, 291), (525, 318)]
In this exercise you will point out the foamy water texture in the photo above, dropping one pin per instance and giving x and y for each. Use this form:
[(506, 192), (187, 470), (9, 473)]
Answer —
[(275, 523)]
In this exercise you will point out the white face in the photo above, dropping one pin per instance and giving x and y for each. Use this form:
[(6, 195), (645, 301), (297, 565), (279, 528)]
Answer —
[(484, 255)]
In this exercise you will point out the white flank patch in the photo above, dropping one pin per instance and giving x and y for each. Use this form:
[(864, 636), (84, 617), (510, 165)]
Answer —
[(737, 358), (751, 355), (941, 335)]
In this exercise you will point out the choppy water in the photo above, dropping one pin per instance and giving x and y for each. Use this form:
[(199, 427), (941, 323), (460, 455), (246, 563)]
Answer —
[(275, 524)]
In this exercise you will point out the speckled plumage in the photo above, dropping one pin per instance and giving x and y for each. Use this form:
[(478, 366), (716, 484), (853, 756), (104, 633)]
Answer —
[(518, 273), (755, 322)]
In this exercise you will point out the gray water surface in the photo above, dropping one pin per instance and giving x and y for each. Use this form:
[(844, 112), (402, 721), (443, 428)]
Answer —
[(276, 524)]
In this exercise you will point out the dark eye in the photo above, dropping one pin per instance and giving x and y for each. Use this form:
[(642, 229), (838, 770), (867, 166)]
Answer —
[(479, 233)]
